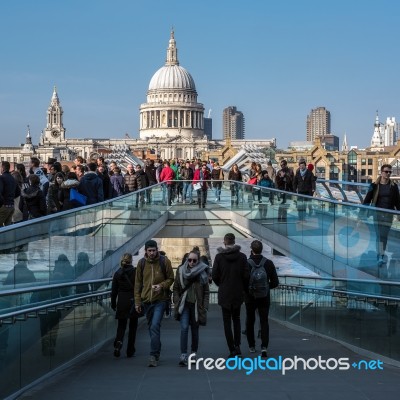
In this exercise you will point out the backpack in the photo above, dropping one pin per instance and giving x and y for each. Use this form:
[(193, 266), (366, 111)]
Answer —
[(258, 284)]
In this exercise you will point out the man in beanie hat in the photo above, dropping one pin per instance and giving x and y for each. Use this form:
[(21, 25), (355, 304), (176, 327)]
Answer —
[(154, 277)]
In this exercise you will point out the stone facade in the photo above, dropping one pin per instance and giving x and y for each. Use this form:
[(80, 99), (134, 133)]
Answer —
[(354, 165)]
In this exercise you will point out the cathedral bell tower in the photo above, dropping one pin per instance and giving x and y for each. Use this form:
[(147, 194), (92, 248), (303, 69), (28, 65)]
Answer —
[(54, 132)]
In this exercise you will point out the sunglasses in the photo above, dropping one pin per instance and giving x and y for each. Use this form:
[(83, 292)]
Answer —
[(192, 260), (388, 172)]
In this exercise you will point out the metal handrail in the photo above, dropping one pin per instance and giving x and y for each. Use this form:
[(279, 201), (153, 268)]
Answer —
[(341, 293), (34, 311)]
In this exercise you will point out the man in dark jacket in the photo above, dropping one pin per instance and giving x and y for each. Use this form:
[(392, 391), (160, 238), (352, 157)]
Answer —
[(20, 273), (151, 173), (230, 274), (9, 190), (130, 179), (34, 198), (303, 183), (284, 181), (102, 173), (141, 183), (91, 185), (261, 304), (187, 177)]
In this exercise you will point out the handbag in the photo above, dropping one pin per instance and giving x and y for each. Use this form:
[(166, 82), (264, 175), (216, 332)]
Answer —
[(252, 181), (197, 186), (76, 198)]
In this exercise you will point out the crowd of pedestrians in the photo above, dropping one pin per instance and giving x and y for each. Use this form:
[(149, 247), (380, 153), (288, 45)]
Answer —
[(34, 191), (144, 290)]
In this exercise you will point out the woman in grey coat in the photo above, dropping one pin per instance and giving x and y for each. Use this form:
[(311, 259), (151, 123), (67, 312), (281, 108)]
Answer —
[(191, 294)]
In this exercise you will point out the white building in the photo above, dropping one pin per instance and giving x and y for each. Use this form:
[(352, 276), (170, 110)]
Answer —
[(171, 124), (384, 134)]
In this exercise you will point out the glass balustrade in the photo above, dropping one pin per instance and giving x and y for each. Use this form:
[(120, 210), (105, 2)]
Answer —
[(39, 257), (63, 247)]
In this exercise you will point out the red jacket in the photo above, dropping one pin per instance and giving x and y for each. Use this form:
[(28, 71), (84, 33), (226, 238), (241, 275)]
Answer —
[(206, 177), (167, 174)]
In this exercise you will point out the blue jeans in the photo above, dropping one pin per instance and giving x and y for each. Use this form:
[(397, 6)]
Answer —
[(188, 319), (217, 190), (154, 314), (187, 187)]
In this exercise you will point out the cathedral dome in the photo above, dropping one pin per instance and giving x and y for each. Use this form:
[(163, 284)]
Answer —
[(172, 77)]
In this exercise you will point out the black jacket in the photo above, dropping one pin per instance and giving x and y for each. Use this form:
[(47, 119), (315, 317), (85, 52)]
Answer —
[(141, 179), (372, 195), (273, 279), (231, 274), (304, 184), (9, 189), (187, 174), (20, 274), (130, 184), (151, 173), (105, 178), (53, 198), (91, 186), (35, 201), (285, 182), (122, 290)]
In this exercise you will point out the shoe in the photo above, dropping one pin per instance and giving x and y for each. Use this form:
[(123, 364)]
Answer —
[(117, 349), (264, 353), (252, 349), (152, 361), (232, 354), (238, 352), (130, 353), (183, 360), (193, 355)]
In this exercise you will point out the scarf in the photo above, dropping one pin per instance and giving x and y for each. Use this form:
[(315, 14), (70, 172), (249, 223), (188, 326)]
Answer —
[(187, 275), (303, 172)]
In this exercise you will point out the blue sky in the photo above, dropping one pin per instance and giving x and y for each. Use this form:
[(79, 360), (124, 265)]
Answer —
[(274, 60)]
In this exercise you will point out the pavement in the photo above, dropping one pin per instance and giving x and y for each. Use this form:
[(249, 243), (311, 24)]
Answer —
[(102, 376)]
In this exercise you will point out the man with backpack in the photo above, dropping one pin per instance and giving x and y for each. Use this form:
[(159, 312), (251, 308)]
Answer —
[(263, 277), (154, 277)]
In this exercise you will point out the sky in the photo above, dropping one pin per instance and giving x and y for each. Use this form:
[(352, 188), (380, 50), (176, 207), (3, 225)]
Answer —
[(273, 60)]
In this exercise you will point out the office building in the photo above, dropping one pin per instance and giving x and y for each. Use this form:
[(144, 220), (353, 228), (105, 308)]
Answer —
[(318, 123), (233, 123)]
